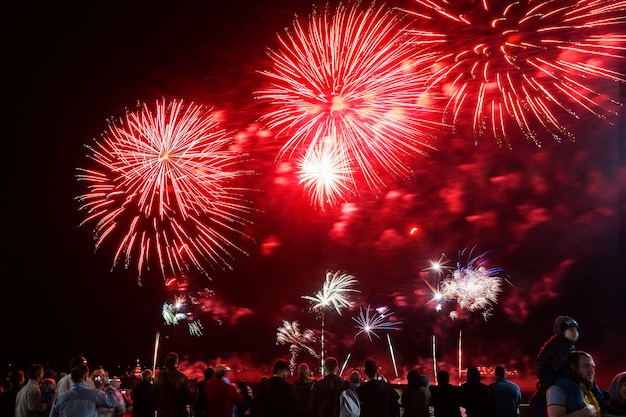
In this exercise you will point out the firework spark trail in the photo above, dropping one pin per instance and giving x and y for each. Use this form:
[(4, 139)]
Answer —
[(289, 334), (370, 324), (524, 66), (473, 286), (349, 76), (195, 328), (164, 183), (326, 175), (334, 294)]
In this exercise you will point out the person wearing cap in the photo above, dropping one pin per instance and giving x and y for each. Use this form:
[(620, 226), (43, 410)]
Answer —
[(553, 365), (219, 395)]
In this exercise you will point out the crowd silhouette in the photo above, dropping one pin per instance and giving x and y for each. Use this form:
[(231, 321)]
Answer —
[(566, 387)]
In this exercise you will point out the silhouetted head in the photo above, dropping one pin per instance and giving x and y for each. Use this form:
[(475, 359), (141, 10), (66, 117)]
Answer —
[(16, 377), (171, 360), (413, 379), (443, 377), (473, 374), (35, 372), (77, 360), (303, 371), (355, 377), (79, 373), (280, 367), (146, 375), (331, 365), (370, 367), (220, 371)]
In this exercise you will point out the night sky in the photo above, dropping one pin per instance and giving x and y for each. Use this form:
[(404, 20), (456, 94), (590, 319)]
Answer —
[(552, 217)]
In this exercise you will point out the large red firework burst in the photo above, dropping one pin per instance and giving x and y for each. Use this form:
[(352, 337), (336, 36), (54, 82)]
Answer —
[(163, 183), (522, 65), (350, 77)]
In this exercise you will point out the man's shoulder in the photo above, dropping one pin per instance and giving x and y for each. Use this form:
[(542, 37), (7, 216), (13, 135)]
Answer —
[(180, 374), (371, 386), (555, 395)]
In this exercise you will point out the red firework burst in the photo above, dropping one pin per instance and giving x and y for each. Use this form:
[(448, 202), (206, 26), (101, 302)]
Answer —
[(350, 77), (522, 65), (163, 183)]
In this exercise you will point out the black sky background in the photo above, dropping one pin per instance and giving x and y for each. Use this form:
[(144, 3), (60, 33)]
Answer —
[(72, 65)]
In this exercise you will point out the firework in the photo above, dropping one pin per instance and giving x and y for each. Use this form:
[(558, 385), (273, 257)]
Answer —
[(334, 294), (350, 77), (344, 364), (439, 268), (393, 356), (325, 174), (168, 311), (289, 334), (526, 66), (156, 349), (472, 285), (163, 184), (195, 328), (370, 324)]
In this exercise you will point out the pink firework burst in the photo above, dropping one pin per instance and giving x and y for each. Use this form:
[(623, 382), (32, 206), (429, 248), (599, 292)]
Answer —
[(350, 77), (527, 65), (163, 183)]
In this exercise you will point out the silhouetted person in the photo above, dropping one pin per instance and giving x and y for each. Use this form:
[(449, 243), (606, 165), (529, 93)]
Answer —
[(617, 395), (475, 395), (378, 398), (506, 395), (170, 391), (274, 396), (302, 390), (7, 398), (415, 397), (325, 392), (198, 404), (141, 394), (445, 398), (355, 380), (220, 395), (243, 409)]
